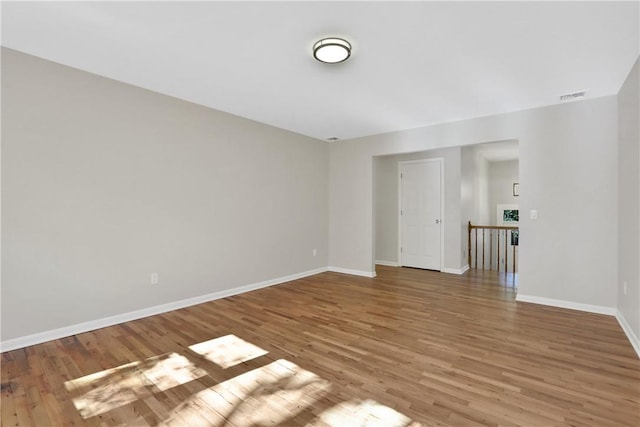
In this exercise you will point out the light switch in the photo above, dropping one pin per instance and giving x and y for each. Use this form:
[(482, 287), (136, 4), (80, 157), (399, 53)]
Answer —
[(533, 214)]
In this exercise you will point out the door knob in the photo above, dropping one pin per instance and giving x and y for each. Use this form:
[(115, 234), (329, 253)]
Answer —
[(437, 221)]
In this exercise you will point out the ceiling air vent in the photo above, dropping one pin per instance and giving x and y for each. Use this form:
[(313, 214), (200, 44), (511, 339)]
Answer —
[(573, 96)]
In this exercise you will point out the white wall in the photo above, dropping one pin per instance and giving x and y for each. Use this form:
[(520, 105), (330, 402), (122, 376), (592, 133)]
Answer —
[(568, 164), (502, 175), (104, 183), (386, 204), (474, 193), (629, 202)]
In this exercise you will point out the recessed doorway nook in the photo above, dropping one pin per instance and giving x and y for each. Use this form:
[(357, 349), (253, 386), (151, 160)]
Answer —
[(476, 179)]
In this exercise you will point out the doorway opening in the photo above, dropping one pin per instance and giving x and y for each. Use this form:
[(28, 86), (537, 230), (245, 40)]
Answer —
[(475, 180)]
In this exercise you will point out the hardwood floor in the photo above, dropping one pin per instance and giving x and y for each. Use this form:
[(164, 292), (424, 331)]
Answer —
[(407, 348)]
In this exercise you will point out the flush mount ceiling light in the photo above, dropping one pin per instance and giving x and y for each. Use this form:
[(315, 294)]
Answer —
[(332, 50)]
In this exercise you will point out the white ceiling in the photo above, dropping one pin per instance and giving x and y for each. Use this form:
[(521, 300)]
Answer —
[(413, 63)]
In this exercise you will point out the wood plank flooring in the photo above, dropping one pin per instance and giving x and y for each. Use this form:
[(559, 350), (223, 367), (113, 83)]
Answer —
[(408, 348)]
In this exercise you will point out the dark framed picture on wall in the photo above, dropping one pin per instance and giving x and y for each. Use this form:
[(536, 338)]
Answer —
[(508, 215), (515, 236), (516, 189)]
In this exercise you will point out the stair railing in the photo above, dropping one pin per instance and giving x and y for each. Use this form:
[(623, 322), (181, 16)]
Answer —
[(493, 247)]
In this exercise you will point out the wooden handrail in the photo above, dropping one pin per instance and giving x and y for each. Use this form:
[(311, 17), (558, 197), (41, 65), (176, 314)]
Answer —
[(491, 237), (493, 227)]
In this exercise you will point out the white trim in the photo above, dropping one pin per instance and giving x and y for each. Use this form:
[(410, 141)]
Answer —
[(91, 325), (387, 263), (399, 210), (456, 270), (633, 339), (599, 309), (442, 199), (352, 272)]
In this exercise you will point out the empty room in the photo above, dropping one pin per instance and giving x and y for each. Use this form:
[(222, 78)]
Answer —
[(320, 213)]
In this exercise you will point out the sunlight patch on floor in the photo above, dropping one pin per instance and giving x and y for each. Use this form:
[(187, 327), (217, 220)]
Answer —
[(228, 351), (87, 380), (361, 413), (269, 395), (265, 396), (109, 389)]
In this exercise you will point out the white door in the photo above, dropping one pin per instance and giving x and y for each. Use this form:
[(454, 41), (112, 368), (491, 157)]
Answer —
[(420, 214)]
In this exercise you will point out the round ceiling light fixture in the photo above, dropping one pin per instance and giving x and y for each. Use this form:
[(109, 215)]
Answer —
[(332, 50)]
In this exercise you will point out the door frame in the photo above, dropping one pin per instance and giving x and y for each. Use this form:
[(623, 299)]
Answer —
[(440, 160)]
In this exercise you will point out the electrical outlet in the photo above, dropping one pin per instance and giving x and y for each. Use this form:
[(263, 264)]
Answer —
[(315, 252), (154, 278), (624, 288)]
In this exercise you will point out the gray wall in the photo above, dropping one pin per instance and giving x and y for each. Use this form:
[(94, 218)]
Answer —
[(629, 200), (502, 175), (568, 164), (385, 188), (104, 183), (386, 204)]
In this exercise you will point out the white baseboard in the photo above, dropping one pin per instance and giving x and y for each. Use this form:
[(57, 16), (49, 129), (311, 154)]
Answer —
[(599, 309), (633, 339), (387, 263), (79, 328), (353, 272), (456, 270)]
